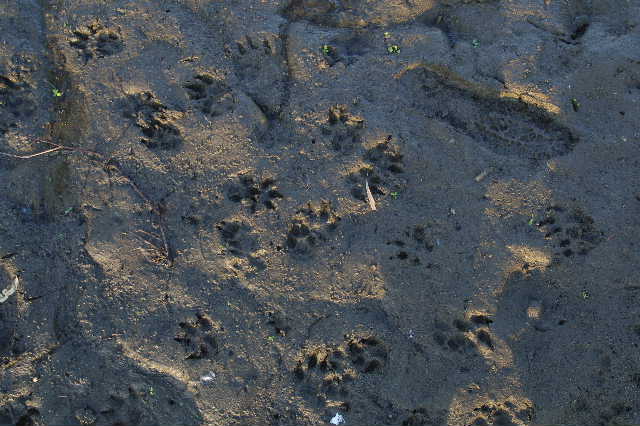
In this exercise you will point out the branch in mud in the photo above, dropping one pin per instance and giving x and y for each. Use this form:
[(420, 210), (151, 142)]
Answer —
[(155, 207)]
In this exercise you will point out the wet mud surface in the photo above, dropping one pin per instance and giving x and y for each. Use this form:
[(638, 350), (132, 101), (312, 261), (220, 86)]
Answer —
[(198, 246)]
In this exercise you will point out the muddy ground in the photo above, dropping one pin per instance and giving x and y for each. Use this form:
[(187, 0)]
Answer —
[(199, 248)]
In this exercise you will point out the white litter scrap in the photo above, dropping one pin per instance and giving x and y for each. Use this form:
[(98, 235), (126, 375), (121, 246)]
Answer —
[(4, 294), (208, 378), (337, 419)]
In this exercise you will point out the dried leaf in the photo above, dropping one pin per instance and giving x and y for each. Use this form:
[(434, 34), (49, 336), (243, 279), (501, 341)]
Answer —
[(372, 202)]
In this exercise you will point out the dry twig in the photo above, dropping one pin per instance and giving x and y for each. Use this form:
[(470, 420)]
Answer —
[(155, 207)]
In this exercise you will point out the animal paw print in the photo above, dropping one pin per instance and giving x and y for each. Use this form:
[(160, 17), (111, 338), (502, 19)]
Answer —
[(155, 120), (507, 413), (467, 333), (368, 354), (382, 171), (421, 238), (16, 102), (198, 337), (237, 237), (570, 231), (386, 156), (262, 68), (310, 226), (210, 95), (326, 371), (343, 128), (94, 40), (255, 193)]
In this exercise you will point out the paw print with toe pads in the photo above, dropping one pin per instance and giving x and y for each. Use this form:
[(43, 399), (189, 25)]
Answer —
[(262, 69), (94, 40), (255, 193), (210, 94), (310, 227), (199, 337), (155, 120), (343, 129)]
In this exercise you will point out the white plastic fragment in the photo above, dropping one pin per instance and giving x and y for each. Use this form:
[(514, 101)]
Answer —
[(208, 378), (337, 419), (4, 294)]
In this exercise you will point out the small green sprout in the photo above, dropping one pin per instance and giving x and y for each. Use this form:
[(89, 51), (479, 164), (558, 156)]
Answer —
[(585, 294), (271, 338), (56, 92), (67, 211), (387, 35), (393, 49), (152, 392), (531, 221), (326, 49), (394, 195), (575, 104), (475, 43)]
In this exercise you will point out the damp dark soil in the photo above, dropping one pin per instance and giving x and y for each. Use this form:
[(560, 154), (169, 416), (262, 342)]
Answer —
[(299, 212)]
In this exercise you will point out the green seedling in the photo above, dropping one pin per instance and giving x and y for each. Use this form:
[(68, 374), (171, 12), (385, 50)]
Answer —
[(271, 338), (152, 392), (575, 104), (387, 35), (531, 221), (475, 43), (67, 211), (394, 195), (56, 92), (326, 49), (394, 49), (585, 294)]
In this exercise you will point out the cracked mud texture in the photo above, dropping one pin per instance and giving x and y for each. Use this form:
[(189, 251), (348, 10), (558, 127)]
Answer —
[(203, 252)]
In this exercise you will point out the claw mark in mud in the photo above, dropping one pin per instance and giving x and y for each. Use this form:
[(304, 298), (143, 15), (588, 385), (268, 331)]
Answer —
[(261, 65), (499, 121), (16, 102), (210, 94), (199, 337), (383, 167), (255, 193), (157, 122), (310, 227), (327, 371), (570, 231), (343, 128), (96, 41)]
